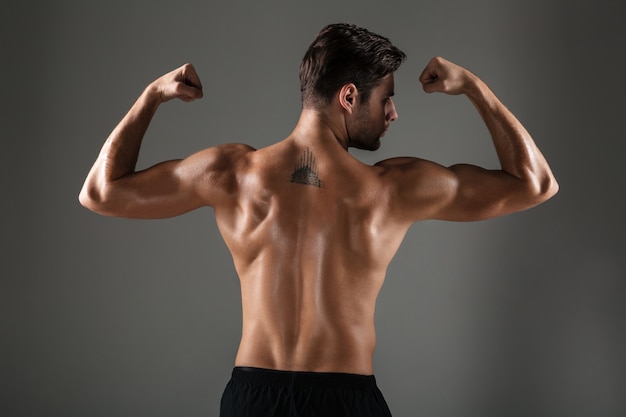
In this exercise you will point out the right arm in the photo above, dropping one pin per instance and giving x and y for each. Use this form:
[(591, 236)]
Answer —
[(464, 192)]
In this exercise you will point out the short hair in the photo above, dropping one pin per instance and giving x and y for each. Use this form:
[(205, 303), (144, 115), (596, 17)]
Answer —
[(343, 53)]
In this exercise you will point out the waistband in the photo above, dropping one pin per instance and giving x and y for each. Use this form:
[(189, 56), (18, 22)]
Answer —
[(250, 375)]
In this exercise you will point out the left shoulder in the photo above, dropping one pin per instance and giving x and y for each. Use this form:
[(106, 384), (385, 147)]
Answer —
[(214, 171)]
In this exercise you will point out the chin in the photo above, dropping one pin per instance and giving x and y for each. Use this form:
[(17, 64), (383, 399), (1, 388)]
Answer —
[(374, 145), (367, 144)]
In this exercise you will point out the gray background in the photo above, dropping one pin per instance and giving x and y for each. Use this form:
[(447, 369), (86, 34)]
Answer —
[(518, 316)]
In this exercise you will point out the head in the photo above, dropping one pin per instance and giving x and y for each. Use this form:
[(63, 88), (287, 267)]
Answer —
[(345, 54), (352, 65), (367, 121)]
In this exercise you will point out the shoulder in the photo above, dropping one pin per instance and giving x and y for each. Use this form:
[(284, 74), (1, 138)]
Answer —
[(222, 156), (218, 160), (214, 171), (417, 186), (414, 169)]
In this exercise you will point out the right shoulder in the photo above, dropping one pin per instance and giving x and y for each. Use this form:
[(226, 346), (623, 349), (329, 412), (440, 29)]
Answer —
[(418, 188)]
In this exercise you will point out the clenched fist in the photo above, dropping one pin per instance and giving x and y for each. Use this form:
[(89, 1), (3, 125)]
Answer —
[(182, 83), (442, 76)]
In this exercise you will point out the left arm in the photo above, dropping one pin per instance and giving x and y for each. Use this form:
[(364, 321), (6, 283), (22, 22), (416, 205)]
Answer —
[(114, 188)]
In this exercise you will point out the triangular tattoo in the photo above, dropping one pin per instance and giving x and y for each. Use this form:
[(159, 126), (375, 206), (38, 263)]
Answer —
[(305, 171)]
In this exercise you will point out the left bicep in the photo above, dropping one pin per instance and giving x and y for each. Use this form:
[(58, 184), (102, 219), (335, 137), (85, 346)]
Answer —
[(164, 190), (176, 187)]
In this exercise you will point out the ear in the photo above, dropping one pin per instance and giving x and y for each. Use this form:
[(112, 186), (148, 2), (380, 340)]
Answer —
[(348, 95)]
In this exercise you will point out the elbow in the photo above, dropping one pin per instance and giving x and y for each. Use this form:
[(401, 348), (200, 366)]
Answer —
[(553, 188), (84, 197), (89, 198), (544, 188), (93, 199), (549, 187), (86, 200)]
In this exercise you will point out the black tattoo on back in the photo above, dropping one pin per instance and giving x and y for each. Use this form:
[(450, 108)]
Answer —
[(305, 171)]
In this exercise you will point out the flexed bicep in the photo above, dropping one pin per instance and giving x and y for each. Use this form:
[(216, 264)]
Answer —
[(426, 190), (163, 190), (480, 194), (171, 188)]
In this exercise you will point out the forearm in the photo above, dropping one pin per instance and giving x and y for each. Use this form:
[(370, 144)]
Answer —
[(119, 154), (517, 152)]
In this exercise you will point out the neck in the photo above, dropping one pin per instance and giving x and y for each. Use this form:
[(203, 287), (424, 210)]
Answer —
[(320, 125)]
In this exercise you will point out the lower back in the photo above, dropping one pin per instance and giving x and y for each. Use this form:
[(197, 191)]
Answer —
[(302, 333)]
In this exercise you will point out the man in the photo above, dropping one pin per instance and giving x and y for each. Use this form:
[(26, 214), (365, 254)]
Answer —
[(310, 228)]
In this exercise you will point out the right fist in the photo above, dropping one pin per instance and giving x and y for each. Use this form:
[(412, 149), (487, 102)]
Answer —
[(182, 83), (442, 76)]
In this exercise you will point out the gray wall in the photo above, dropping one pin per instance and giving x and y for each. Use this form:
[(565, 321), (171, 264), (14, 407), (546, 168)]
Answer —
[(518, 316)]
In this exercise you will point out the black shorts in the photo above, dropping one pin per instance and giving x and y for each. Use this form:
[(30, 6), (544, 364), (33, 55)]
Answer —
[(254, 392)]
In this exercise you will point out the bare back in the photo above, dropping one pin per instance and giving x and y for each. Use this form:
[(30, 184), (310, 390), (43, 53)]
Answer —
[(311, 229), (311, 243)]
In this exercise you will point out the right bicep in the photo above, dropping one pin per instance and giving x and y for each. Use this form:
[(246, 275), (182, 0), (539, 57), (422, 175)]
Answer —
[(426, 190)]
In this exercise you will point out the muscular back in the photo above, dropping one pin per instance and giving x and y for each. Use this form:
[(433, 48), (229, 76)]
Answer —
[(312, 230), (311, 241)]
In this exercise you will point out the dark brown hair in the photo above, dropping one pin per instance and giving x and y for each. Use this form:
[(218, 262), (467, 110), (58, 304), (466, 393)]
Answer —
[(341, 54)]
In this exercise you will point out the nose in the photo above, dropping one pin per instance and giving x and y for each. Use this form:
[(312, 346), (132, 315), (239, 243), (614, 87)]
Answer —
[(392, 114)]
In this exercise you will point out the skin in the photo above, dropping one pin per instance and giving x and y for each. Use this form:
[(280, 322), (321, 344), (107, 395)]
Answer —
[(312, 259)]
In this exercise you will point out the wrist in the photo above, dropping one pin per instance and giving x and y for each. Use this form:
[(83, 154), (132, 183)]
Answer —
[(473, 85), (153, 94)]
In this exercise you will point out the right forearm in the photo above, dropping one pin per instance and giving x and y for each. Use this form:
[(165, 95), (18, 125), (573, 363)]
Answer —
[(517, 152)]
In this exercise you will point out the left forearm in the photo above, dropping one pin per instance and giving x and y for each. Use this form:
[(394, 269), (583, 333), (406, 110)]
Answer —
[(119, 154), (121, 150)]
